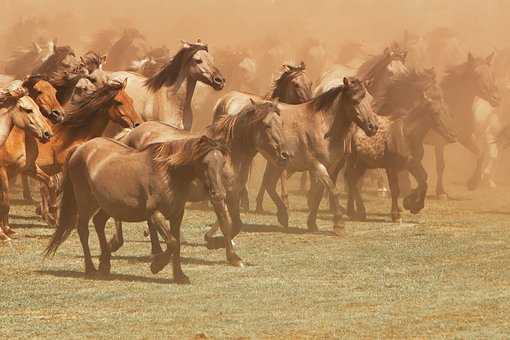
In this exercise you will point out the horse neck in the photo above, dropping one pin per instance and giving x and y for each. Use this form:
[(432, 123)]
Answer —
[(241, 143), (178, 100), (458, 94), (6, 125), (335, 118), (95, 128)]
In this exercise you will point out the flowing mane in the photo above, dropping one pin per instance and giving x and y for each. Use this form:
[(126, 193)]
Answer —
[(181, 153), (169, 73), (227, 126), (288, 72), (81, 112), (324, 101)]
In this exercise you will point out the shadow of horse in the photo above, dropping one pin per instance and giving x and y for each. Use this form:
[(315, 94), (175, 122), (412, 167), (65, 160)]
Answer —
[(110, 277), (264, 228)]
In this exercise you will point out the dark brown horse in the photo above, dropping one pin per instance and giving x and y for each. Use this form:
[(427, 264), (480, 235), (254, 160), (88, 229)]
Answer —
[(154, 189), (461, 85), (398, 144), (258, 128)]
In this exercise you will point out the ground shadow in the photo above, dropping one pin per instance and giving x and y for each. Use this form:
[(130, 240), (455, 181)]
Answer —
[(110, 277), (30, 226), (265, 228), (184, 260), (26, 217), (494, 212)]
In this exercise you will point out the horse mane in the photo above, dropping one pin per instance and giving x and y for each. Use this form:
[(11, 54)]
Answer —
[(51, 65), (92, 58), (33, 79), (404, 91), (81, 112), (285, 74), (168, 74), (247, 117), (324, 101), (181, 153), (369, 70)]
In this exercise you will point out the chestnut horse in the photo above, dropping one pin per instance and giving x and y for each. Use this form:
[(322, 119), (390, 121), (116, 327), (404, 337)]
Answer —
[(153, 190), (21, 122), (85, 120)]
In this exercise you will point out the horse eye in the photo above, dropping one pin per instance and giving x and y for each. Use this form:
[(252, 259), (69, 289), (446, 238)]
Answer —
[(198, 61)]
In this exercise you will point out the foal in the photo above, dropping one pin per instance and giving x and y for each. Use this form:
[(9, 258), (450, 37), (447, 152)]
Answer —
[(154, 189)]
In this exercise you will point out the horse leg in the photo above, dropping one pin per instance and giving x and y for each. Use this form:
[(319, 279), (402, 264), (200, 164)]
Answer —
[(349, 170), (415, 201), (5, 230), (245, 199), (155, 244), (175, 225), (334, 176), (440, 165), (99, 221), (470, 143), (49, 186), (393, 180), (382, 191), (262, 190), (324, 177), (302, 184), (314, 200), (492, 153), (158, 222), (117, 239), (83, 232), (273, 175), (27, 194), (283, 183), (357, 173)]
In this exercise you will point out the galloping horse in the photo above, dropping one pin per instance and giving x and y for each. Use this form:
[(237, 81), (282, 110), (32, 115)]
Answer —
[(21, 123), (258, 128), (154, 189), (469, 91), (167, 95), (85, 120), (417, 101), (305, 126)]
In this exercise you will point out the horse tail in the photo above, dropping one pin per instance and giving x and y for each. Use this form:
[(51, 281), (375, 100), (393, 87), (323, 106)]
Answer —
[(68, 212)]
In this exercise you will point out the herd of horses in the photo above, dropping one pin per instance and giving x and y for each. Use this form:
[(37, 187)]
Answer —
[(107, 142)]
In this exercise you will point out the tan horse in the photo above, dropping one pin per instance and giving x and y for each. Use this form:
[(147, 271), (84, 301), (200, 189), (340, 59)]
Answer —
[(20, 124), (154, 190), (86, 120)]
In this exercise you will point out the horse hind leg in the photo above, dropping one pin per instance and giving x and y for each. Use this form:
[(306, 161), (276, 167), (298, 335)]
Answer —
[(440, 165), (5, 230), (314, 199), (159, 261), (117, 240), (272, 179), (99, 221), (393, 180), (83, 232)]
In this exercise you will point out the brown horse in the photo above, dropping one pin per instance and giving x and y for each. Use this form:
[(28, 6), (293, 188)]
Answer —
[(291, 87), (258, 128), (20, 124), (153, 190), (305, 127), (86, 120), (398, 144), (461, 85)]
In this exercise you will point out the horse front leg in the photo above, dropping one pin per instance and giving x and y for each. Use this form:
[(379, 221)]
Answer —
[(262, 190), (440, 165), (117, 239), (158, 222), (314, 200), (393, 180), (324, 177), (272, 176), (27, 193), (284, 178), (49, 187), (354, 174), (5, 230), (470, 143), (415, 201)]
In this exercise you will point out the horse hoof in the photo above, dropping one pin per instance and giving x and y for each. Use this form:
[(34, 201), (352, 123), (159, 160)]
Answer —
[(114, 245), (182, 279), (90, 271), (104, 268), (259, 210), (283, 218), (159, 261), (3, 236), (237, 262), (339, 229), (396, 219), (9, 231)]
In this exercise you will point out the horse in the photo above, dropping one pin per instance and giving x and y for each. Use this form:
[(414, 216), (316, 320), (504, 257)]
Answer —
[(167, 95), (305, 126), (23, 61), (125, 50), (85, 120), (21, 123), (151, 63), (155, 190), (398, 143), (292, 86), (258, 128), (470, 92)]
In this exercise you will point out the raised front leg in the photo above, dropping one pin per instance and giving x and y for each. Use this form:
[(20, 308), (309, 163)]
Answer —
[(393, 181)]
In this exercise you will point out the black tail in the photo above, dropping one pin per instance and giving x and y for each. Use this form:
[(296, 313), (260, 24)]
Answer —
[(68, 213)]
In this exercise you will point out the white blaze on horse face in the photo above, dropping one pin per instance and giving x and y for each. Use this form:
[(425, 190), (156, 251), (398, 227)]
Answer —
[(397, 68)]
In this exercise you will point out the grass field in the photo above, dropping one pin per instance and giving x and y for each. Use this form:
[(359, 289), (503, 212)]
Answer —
[(443, 273)]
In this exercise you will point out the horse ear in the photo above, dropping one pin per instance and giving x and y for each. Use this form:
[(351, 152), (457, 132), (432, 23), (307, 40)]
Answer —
[(346, 82), (185, 44), (302, 65), (470, 58), (124, 83), (490, 58), (252, 101), (103, 59)]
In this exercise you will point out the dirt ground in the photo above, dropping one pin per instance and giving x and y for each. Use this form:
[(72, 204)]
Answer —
[(442, 273)]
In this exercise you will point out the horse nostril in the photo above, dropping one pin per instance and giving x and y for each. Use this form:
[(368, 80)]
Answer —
[(284, 155), (137, 124), (46, 135), (218, 80)]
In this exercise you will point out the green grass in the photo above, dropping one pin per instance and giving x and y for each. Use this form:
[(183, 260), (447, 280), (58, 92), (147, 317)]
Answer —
[(443, 273)]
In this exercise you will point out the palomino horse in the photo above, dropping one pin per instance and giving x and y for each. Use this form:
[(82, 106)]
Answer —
[(305, 126), (153, 190), (291, 87), (465, 88), (258, 128), (166, 96), (86, 120), (21, 122), (398, 144)]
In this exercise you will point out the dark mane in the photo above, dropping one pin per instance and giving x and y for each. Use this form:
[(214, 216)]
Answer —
[(33, 79), (169, 73), (324, 101), (80, 113), (287, 73), (371, 68), (181, 153), (227, 126), (404, 92)]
